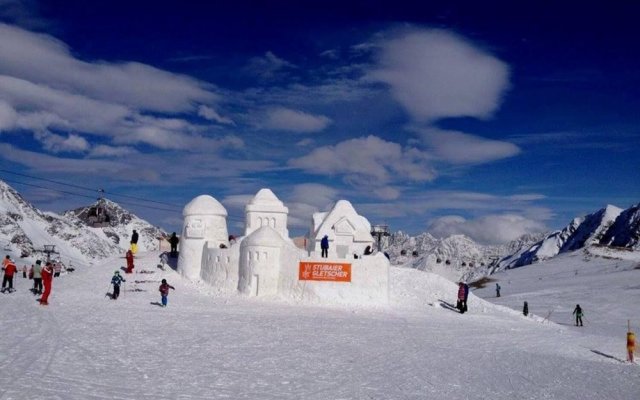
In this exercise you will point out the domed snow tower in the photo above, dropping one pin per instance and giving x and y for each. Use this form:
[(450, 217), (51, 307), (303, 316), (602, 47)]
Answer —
[(260, 259), (205, 220), (265, 209)]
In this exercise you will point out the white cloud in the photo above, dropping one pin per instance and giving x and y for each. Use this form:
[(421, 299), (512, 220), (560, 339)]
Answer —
[(314, 194), (59, 144), (386, 193), (436, 74), (285, 119), (369, 159), (268, 66), (488, 229), (462, 148), (209, 113), (8, 116), (103, 150), (44, 60)]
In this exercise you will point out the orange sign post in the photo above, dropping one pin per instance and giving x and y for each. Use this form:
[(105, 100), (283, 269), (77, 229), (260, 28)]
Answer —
[(324, 271)]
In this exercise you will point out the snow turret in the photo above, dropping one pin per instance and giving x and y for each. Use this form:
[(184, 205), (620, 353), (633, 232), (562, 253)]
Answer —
[(265, 209), (205, 224), (260, 262)]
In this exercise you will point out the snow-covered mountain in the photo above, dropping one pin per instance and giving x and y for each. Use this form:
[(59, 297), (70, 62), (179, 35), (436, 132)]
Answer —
[(25, 230), (458, 257)]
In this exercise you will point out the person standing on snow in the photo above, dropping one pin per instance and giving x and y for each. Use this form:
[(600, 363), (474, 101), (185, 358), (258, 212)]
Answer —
[(9, 270), (164, 291), (497, 290), (116, 281), (134, 242), (129, 257), (24, 271), (36, 272), (462, 298), (324, 246), (173, 241), (525, 309), (578, 313), (47, 280)]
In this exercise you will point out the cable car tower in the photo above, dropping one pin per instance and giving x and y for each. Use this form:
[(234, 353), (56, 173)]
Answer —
[(380, 231)]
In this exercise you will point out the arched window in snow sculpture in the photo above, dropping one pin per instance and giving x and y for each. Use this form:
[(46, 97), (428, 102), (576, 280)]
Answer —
[(260, 221), (266, 256), (273, 222)]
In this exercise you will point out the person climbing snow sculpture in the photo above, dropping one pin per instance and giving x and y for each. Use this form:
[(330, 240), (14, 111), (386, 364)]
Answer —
[(47, 279), (173, 241), (129, 257), (134, 242), (578, 313), (324, 246), (164, 291), (497, 290), (116, 281), (9, 271)]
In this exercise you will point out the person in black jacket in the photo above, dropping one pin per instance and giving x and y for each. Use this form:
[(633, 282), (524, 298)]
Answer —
[(134, 242), (173, 241)]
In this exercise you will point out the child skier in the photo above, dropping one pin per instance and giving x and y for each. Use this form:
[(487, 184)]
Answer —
[(578, 312), (164, 291), (116, 281)]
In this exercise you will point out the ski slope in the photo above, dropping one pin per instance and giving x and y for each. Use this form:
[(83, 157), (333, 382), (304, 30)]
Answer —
[(85, 346)]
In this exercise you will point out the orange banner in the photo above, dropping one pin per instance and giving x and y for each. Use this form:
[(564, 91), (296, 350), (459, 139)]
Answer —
[(324, 271)]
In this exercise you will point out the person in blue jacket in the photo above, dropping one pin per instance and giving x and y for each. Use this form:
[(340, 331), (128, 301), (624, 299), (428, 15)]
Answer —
[(116, 281), (324, 246)]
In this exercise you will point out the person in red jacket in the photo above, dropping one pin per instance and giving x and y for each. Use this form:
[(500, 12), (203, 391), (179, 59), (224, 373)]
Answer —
[(9, 270), (47, 278), (164, 291), (129, 258)]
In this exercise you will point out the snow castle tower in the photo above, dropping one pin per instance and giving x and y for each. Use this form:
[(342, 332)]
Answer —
[(265, 209), (348, 232), (205, 224), (260, 262)]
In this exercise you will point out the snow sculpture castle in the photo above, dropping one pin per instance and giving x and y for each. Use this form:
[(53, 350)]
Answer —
[(266, 263)]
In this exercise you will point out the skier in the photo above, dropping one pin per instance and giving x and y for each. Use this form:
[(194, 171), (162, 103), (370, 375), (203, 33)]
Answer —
[(324, 246), (497, 290), (462, 297), (47, 280), (9, 270), (525, 309), (36, 273), (134, 242), (116, 281), (129, 257), (631, 345), (173, 241), (164, 291), (578, 312)]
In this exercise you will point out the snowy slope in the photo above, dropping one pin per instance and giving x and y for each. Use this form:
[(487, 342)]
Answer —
[(84, 346)]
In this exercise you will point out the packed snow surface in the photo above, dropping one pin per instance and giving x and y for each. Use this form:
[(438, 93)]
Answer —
[(206, 346)]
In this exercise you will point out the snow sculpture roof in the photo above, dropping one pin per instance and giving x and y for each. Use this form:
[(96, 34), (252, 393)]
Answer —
[(265, 200), (264, 236), (343, 212), (204, 205)]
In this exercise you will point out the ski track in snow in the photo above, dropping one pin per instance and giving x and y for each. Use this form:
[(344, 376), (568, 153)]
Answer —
[(85, 346)]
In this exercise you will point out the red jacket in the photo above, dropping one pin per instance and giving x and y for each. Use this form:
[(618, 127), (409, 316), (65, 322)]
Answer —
[(10, 269), (461, 292), (164, 289), (47, 273)]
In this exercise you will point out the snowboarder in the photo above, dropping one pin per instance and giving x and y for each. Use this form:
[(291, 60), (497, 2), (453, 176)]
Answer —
[(116, 281), (164, 291), (36, 274), (578, 312), (173, 241), (129, 257), (9, 270), (497, 290), (47, 279), (463, 292), (324, 246), (134, 242), (525, 309)]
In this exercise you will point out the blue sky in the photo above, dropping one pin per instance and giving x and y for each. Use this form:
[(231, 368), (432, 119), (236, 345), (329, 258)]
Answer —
[(487, 119)]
